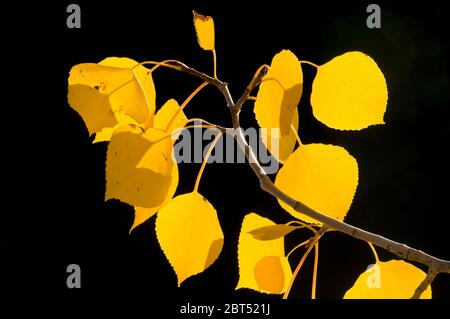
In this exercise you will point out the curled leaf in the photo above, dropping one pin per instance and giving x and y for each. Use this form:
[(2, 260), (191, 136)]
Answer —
[(323, 177), (97, 91), (143, 76), (394, 279), (349, 92), (276, 103), (262, 264), (189, 234), (204, 28), (271, 232)]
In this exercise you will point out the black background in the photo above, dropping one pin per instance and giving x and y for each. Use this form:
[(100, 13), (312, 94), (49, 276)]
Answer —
[(56, 214)]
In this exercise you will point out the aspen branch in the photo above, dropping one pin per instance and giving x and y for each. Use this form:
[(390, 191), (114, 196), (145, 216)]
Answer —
[(424, 284), (435, 265)]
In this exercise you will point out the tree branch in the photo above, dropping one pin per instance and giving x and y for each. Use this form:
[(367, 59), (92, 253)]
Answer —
[(435, 265), (424, 284)]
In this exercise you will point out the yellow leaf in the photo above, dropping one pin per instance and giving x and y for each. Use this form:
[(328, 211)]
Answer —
[(204, 27), (262, 264), (323, 177), (271, 232), (170, 117), (139, 166), (93, 107), (189, 234), (286, 143), (117, 86), (105, 134), (277, 100), (349, 92), (143, 76), (394, 279), (141, 214)]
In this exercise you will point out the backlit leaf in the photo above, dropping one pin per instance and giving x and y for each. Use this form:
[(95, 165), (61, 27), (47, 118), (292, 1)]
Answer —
[(189, 234), (143, 76), (271, 232), (102, 90), (349, 92), (323, 177), (105, 134), (262, 264), (139, 166), (141, 214), (395, 279), (282, 145), (277, 100), (170, 117), (204, 28), (93, 107)]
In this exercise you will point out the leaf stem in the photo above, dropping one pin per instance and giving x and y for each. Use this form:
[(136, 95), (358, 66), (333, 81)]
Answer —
[(299, 141), (186, 101), (205, 160), (297, 247), (314, 278), (377, 260), (215, 63), (255, 81), (194, 93), (303, 224), (312, 242), (165, 63), (310, 63)]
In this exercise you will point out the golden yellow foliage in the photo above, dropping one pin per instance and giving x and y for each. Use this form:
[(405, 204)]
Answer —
[(98, 91), (262, 264), (139, 166), (394, 279), (204, 28), (323, 177), (277, 100), (189, 234), (170, 118), (271, 232), (349, 92)]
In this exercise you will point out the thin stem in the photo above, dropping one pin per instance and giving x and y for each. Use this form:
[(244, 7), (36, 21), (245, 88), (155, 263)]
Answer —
[(377, 260), (202, 126), (297, 247), (158, 64), (205, 160), (304, 225), (310, 63), (312, 243), (221, 128), (186, 101), (314, 278), (253, 98), (215, 63), (299, 141), (256, 79), (194, 93)]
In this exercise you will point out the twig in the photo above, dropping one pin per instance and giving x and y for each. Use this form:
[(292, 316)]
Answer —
[(435, 265)]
